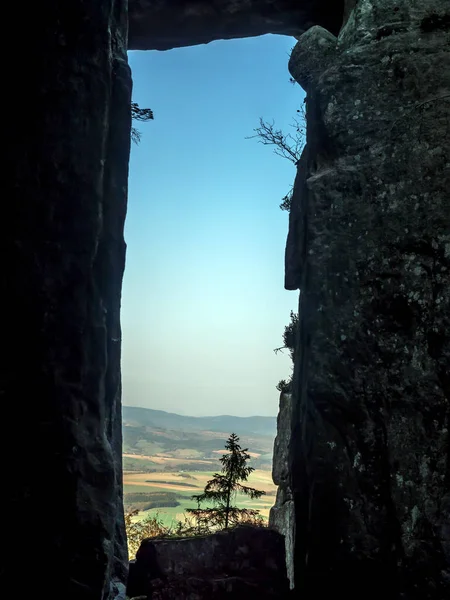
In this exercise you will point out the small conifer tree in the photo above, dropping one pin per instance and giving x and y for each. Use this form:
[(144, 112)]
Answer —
[(221, 490)]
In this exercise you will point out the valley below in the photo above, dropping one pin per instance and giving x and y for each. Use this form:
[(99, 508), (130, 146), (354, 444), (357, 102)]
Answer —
[(167, 458)]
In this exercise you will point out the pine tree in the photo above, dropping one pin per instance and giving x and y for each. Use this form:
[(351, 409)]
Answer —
[(221, 490), (139, 114)]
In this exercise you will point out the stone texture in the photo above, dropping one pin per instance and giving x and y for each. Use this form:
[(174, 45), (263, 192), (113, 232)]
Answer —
[(292, 255), (368, 247), (174, 23), (67, 140), (244, 562), (282, 514), (65, 183), (370, 446)]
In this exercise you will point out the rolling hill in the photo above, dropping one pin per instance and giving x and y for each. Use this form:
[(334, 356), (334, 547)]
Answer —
[(155, 440), (133, 415), (168, 457)]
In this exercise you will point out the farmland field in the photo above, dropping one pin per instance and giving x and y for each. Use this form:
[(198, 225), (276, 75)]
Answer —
[(168, 458), (185, 485)]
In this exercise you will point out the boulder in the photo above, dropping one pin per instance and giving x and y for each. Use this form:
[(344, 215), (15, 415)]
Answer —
[(241, 563)]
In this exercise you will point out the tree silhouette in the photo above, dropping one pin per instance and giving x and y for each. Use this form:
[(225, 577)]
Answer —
[(286, 145), (290, 343), (139, 114), (221, 490)]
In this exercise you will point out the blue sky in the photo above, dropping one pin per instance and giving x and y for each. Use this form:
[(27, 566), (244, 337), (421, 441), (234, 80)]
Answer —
[(203, 301)]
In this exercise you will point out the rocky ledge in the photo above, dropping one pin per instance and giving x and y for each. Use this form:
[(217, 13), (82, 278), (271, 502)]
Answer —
[(242, 563)]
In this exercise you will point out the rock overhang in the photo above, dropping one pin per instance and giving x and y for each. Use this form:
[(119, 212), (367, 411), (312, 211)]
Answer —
[(167, 24)]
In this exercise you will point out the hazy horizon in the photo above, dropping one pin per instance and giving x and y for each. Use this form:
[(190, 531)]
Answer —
[(203, 300), (274, 416)]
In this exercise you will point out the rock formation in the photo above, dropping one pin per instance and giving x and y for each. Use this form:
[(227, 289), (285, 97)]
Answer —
[(282, 514), (242, 563), (368, 247), (370, 438), (171, 24), (67, 141)]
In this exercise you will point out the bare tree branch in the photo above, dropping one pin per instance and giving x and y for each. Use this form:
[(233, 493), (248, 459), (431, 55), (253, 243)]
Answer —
[(280, 349), (286, 145), (135, 135)]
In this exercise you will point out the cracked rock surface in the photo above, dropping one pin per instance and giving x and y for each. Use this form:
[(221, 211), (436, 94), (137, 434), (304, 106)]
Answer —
[(370, 442)]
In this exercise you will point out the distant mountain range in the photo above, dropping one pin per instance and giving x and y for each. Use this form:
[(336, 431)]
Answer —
[(147, 417), (155, 440)]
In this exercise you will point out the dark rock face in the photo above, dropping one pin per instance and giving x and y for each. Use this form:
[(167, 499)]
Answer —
[(370, 469), (245, 562), (282, 514), (68, 146), (175, 23), (363, 450)]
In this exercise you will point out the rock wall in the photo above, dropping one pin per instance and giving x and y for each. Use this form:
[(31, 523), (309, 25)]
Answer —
[(242, 563), (65, 185), (282, 514), (171, 24), (370, 468), (67, 146), (368, 246)]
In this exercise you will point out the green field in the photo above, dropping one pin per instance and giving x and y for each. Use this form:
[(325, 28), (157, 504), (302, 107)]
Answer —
[(167, 458), (160, 482)]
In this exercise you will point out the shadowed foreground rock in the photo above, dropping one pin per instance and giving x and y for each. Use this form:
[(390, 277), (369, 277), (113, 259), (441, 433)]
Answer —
[(243, 563), (369, 248), (63, 253), (282, 514), (368, 464), (63, 257), (174, 23)]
